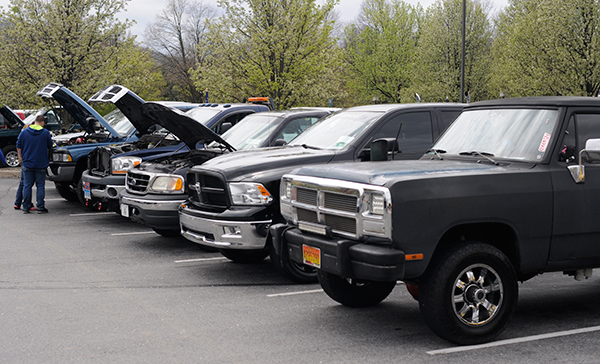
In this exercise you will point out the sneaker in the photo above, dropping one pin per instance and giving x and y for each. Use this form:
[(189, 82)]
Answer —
[(43, 211), (17, 207), (33, 208), (25, 211)]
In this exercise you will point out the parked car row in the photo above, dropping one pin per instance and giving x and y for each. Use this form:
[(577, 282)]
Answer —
[(460, 202)]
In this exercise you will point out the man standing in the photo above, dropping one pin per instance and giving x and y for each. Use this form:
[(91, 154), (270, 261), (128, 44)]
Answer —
[(33, 145)]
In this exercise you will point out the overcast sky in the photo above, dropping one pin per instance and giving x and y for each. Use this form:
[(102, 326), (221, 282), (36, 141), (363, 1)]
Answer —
[(144, 11)]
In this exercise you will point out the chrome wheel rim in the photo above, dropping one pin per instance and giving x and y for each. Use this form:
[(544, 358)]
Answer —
[(477, 295)]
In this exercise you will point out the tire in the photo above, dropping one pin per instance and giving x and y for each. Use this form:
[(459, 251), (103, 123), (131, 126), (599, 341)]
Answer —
[(245, 256), (167, 233), (457, 287), (354, 293), (11, 155), (65, 191), (296, 272)]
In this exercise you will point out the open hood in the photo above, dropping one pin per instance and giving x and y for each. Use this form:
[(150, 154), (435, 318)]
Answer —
[(128, 102), (184, 127), (13, 120), (80, 110)]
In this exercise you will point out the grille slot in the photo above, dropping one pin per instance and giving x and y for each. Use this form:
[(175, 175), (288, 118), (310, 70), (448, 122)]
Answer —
[(306, 196), (340, 223), (137, 182), (340, 202), (307, 215), (207, 189)]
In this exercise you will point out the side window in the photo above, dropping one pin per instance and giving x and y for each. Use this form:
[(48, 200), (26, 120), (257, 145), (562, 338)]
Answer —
[(448, 117), (587, 127), (2, 123), (295, 128), (413, 131), (581, 128), (233, 119)]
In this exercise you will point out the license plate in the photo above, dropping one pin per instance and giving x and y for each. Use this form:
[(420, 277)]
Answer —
[(124, 210), (87, 192), (311, 256)]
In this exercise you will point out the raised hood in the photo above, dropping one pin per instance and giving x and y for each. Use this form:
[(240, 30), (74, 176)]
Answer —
[(184, 127), (80, 110), (380, 173), (265, 164), (128, 102), (12, 119)]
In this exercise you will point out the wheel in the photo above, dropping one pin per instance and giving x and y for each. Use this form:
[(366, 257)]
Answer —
[(354, 293), (245, 256), (168, 233), (468, 296), (11, 155), (65, 191), (296, 272)]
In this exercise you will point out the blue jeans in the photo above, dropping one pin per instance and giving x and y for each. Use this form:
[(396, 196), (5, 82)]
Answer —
[(19, 196), (38, 176)]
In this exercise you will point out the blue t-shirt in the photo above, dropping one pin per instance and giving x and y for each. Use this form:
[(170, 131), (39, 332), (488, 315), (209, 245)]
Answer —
[(35, 142)]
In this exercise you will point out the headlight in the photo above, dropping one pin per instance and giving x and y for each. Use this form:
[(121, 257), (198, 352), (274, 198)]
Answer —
[(377, 204), (249, 194), (120, 165), (62, 157), (167, 184), (286, 189)]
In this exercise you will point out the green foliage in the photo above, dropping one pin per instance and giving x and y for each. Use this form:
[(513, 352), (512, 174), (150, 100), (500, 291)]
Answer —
[(547, 47), (380, 49), (439, 52), (78, 43), (276, 48)]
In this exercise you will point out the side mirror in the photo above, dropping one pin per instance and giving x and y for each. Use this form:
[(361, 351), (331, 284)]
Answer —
[(279, 143), (591, 153), (225, 126), (381, 147)]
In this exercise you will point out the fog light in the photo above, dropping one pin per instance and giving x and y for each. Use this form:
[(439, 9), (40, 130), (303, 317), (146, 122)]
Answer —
[(232, 231)]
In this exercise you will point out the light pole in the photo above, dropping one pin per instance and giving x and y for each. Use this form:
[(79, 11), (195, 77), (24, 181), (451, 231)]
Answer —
[(462, 56)]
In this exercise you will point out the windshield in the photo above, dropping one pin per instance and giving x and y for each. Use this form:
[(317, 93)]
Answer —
[(202, 114), (337, 130), (119, 122), (520, 134), (251, 132)]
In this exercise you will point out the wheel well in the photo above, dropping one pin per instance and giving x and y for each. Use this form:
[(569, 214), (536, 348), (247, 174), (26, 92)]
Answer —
[(79, 168), (498, 235)]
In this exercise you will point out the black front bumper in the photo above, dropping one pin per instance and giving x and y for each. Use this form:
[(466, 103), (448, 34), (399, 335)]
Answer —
[(343, 257)]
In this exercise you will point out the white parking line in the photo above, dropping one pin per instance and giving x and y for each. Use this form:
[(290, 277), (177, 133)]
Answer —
[(54, 199), (294, 293), (514, 341), (135, 233), (199, 260), (94, 213)]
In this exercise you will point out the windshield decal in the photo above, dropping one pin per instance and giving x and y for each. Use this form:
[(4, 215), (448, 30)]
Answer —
[(544, 143)]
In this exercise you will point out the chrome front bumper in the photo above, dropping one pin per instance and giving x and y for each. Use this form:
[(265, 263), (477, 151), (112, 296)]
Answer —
[(111, 192), (154, 205), (221, 234)]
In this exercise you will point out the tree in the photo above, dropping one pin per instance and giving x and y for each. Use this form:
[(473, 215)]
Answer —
[(271, 48), (78, 43), (380, 49), (439, 51), (175, 36), (546, 47)]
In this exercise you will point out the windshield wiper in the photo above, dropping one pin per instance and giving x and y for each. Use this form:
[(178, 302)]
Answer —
[(485, 155), (306, 146), (438, 153)]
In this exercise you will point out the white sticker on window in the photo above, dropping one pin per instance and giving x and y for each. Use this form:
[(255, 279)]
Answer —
[(544, 143)]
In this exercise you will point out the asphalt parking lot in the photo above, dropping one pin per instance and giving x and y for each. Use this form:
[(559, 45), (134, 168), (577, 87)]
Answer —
[(84, 287)]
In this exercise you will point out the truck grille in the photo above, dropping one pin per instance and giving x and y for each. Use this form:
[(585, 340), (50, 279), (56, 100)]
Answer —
[(137, 182), (99, 162), (334, 210), (207, 189)]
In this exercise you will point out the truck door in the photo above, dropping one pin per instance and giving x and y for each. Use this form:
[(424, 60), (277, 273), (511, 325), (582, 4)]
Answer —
[(576, 228)]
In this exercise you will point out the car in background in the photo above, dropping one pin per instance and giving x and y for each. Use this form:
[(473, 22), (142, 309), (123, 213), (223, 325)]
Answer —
[(104, 178), (155, 188)]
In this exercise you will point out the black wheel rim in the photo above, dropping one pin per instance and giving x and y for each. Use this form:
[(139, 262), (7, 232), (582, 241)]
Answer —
[(477, 295)]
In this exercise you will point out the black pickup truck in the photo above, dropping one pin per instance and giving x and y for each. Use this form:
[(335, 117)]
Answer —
[(509, 191), (232, 199)]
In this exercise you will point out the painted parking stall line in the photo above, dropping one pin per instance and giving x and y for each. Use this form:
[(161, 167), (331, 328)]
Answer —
[(200, 260), (93, 214), (295, 293), (515, 341), (134, 233)]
